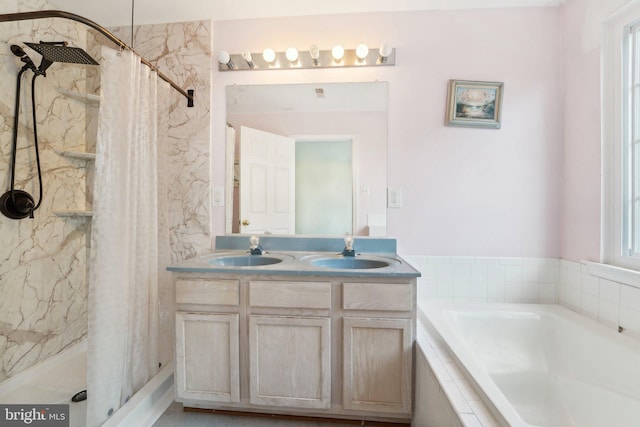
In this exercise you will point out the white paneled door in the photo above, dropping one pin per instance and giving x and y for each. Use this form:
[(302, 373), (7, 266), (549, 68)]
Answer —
[(267, 182)]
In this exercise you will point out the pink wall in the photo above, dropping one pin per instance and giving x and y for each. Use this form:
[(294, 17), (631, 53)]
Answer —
[(477, 192)]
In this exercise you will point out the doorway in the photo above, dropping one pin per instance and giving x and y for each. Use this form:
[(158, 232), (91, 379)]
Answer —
[(324, 186)]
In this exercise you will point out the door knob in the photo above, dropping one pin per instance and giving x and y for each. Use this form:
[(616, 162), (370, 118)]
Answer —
[(245, 222)]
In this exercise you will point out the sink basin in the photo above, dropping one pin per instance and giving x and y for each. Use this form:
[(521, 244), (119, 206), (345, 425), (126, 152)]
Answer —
[(352, 263), (244, 260)]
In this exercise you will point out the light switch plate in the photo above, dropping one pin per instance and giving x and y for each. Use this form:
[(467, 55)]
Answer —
[(217, 196), (394, 197)]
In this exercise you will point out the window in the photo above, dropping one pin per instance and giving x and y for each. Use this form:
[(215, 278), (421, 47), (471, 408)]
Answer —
[(630, 238), (621, 154)]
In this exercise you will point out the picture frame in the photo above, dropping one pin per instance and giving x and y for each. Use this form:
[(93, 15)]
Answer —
[(474, 104)]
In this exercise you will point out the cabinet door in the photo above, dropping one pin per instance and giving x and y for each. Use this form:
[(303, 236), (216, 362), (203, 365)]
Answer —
[(290, 361), (377, 365), (207, 357)]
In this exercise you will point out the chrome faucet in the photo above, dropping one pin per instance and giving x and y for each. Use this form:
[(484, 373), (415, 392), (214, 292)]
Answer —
[(254, 246), (348, 246)]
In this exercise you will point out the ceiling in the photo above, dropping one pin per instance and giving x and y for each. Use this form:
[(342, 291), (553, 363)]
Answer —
[(118, 12)]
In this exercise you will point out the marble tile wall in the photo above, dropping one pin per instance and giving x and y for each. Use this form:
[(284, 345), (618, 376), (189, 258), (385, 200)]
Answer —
[(43, 274), (43, 260)]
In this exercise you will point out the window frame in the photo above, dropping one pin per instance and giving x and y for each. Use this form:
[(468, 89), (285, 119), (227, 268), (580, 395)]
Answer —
[(617, 228)]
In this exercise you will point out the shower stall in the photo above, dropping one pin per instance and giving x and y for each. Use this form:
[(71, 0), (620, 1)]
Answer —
[(18, 204), (47, 259)]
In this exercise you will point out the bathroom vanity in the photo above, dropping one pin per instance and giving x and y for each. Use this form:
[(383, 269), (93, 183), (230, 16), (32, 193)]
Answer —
[(291, 331)]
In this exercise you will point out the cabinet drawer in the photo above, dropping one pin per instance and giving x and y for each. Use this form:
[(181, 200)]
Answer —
[(377, 296), (315, 295), (201, 291)]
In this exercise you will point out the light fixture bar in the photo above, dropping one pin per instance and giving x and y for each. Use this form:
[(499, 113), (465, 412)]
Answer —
[(304, 61)]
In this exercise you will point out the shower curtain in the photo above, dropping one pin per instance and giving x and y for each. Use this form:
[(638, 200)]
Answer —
[(123, 280)]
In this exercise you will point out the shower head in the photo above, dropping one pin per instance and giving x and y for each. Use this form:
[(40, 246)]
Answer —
[(60, 52), (19, 52)]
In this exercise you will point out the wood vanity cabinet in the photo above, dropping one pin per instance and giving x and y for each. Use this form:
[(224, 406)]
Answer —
[(207, 343), (290, 361), (378, 347), (290, 345), (306, 345), (207, 359)]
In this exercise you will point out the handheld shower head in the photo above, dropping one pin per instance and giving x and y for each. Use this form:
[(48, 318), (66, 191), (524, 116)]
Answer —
[(19, 52)]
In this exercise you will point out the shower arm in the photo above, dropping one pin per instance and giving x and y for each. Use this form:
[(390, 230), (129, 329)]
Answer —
[(43, 14)]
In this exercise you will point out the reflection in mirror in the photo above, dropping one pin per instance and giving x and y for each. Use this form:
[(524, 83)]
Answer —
[(307, 159)]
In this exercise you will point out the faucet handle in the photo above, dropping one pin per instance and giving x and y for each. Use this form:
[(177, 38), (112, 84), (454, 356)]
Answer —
[(255, 247), (348, 246), (348, 242)]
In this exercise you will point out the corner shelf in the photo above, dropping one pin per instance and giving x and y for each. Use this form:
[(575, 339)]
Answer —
[(73, 214), (87, 98), (80, 155)]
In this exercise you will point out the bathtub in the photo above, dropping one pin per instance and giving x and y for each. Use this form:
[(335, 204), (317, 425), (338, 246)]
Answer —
[(535, 365)]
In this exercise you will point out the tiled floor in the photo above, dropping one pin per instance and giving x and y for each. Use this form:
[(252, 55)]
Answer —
[(174, 416)]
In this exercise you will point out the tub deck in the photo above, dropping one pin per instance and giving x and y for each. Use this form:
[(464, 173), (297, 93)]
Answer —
[(533, 365)]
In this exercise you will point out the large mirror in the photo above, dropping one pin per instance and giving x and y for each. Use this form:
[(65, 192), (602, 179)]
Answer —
[(307, 159)]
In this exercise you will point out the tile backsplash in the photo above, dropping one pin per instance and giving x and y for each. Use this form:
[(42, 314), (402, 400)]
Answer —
[(615, 304), (612, 303), (487, 279)]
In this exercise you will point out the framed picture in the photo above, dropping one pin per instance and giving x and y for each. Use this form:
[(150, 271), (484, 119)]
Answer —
[(474, 104)]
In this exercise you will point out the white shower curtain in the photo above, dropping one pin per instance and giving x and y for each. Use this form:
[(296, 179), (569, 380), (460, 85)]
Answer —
[(123, 282)]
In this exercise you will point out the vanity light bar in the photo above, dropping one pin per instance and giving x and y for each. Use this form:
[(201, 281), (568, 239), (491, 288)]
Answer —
[(305, 59)]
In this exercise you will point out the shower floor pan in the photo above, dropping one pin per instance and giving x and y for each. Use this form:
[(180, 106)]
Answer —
[(52, 381), (57, 379)]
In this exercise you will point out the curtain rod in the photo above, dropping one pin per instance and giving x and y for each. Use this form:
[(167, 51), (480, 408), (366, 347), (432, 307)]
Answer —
[(23, 16)]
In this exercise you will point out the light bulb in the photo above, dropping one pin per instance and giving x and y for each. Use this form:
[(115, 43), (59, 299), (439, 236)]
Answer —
[(292, 54), (362, 51), (385, 50), (224, 57), (337, 52), (314, 52), (248, 58), (269, 55)]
